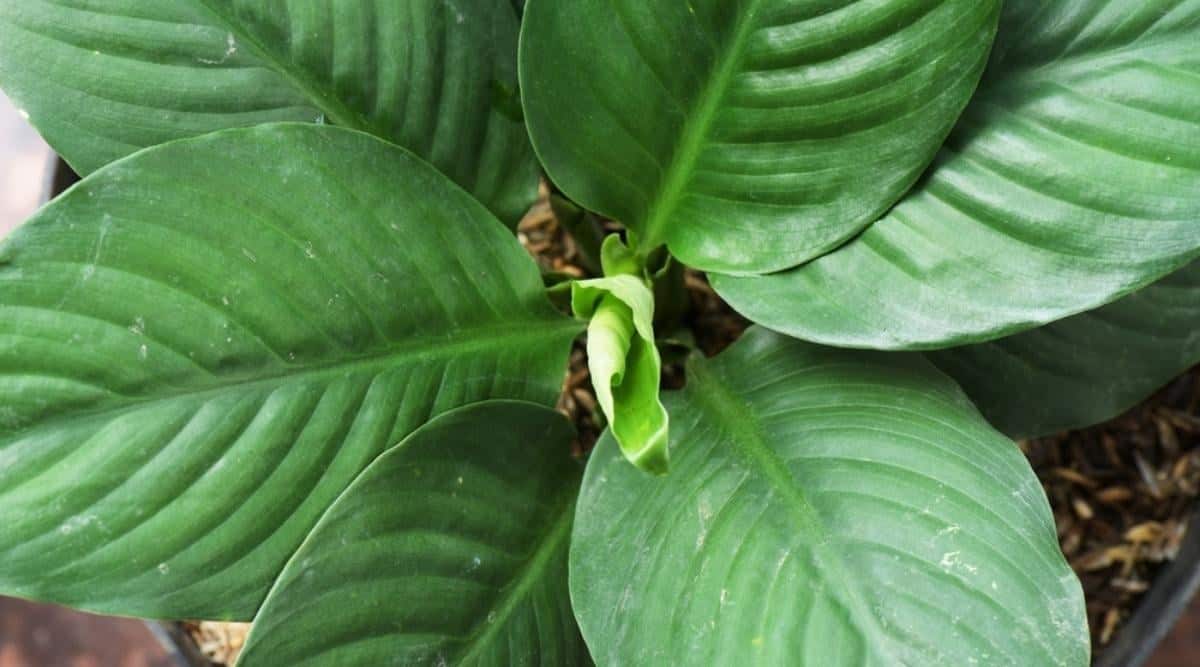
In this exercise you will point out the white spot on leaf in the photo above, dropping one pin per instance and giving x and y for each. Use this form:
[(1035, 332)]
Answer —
[(77, 523), (230, 51)]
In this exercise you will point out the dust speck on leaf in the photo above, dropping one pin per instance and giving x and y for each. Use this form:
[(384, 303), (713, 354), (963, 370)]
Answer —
[(76, 523), (231, 49)]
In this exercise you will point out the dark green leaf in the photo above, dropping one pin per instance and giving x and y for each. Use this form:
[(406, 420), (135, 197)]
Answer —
[(748, 135), (203, 344), (1087, 368), (824, 507), (103, 78), (450, 549), (1072, 179)]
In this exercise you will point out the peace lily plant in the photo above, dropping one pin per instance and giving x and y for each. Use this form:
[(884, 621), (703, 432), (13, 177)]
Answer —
[(279, 357)]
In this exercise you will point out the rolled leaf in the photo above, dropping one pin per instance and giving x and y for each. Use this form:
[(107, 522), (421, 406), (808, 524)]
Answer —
[(203, 344), (825, 507), (749, 135), (1072, 179), (450, 549), (1085, 369), (625, 364), (104, 78)]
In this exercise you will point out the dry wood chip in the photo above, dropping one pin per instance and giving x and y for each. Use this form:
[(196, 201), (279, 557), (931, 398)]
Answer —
[(1074, 477)]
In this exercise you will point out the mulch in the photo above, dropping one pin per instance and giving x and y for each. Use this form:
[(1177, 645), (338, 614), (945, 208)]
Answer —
[(1122, 493)]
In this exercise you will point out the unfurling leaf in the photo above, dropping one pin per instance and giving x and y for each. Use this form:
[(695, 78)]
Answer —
[(623, 358)]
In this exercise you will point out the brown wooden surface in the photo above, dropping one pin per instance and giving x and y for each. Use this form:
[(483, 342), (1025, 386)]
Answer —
[(33, 635), (1182, 647)]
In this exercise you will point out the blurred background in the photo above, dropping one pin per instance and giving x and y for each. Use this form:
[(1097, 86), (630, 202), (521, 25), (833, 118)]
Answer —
[(23, 157), (34, 635)]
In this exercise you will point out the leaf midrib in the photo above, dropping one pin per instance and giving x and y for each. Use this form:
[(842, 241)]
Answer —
[(465, 340), (747, 442), (325, 100), (528, 576), (695, 131)]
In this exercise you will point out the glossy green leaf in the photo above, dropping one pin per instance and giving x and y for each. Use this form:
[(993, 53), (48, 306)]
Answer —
[(624, 363), (1087, 368), (824, 508), (748, 135), (1072, 179), (450, 549), (203, 344), (103, 78)]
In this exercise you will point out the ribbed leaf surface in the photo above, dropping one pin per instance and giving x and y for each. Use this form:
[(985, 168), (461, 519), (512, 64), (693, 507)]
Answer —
[(748, 135), (450, 549), (1072, 179), (202, 345), (103, 78), (1087, 368), (824, 508)]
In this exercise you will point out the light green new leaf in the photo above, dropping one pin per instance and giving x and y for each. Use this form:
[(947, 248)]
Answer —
[(103, 78), (1072, 179), (824, 508), (624, 363), (1087, 368), (747, 135), (203, 344), (450, 549)]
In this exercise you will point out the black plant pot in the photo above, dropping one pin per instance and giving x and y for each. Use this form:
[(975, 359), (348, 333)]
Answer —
[(1158, 612), (180, 647)]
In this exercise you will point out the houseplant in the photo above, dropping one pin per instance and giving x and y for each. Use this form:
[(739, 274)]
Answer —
[(331, 421)]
